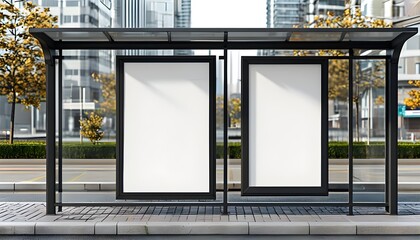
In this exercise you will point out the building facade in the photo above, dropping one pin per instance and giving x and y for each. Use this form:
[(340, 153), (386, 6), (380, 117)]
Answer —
[(80, 92), (402, 13), (285, 13)]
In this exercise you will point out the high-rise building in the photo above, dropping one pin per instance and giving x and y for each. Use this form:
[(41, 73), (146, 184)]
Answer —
[(80, 92), (153, 14), (182, 13), (78, 65), (379, 9), (285, 13), (314, 8), (402, 13), (289, 13), (182, 20)]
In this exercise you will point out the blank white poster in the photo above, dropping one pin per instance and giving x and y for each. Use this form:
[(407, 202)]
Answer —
[(166, 127), (285, 125)]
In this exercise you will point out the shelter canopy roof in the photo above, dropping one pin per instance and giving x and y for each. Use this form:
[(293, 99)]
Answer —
[(287, 38)]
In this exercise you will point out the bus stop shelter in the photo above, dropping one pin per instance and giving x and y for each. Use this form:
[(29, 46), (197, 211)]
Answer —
[(391, 40)]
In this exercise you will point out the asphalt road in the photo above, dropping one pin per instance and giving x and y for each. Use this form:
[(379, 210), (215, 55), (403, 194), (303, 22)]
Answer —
[(106, 173)]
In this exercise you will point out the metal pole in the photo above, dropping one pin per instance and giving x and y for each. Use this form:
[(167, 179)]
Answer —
[(225, 127), (350, 149), (392, 143), (60, 128), (387, 76), (370, 114), (81, 112), (50, 161)]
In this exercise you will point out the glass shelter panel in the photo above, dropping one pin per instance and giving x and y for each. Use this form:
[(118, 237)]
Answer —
[(338, 102), (88, 92), (139, 36), (369, 130), (77, 36)]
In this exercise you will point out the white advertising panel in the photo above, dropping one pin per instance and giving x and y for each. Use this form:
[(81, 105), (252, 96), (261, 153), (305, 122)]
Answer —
[(285, 127), (166, 135)]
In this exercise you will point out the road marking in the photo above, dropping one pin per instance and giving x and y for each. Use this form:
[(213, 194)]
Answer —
[(35, 179), (77, 177)]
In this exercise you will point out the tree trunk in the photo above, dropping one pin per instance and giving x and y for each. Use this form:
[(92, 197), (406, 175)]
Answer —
[(12, 119)]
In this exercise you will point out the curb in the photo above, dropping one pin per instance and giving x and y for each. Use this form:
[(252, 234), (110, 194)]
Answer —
[(219, 162), (103, 186), (209, 228)]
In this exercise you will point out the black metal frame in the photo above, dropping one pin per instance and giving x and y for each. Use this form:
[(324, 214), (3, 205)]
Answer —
[(247, 190), (120, 193), (393, 47)]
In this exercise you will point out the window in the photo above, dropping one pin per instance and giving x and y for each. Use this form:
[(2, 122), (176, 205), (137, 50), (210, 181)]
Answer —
[(72, 3), (76, 19), (50, 3), (67, 19), (84, 18), (93, 21), (418, 68), (71, 72), (84, 72)]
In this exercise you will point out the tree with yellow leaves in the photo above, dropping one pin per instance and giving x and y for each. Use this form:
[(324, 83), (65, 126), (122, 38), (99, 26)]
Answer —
[(413, 101), (108, 83), (234, 111), (91, 127), (22, 67), (338, 69)]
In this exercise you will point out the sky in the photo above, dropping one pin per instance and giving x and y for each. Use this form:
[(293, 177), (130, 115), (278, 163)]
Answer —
[(228, 13)]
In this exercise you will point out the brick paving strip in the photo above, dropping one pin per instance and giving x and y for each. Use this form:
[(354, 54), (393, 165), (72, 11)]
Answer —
[(30, 219)]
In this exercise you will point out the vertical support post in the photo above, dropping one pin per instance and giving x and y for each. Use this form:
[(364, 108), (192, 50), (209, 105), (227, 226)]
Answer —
[(350, 149), (60, 128), (50, 161), (392, 131), (225, 126), (387, 76)]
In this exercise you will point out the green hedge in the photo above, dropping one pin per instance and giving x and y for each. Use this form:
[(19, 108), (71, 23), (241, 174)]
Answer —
[(70, 150), (88, 150), (107, 150), (360, 150), (23, 150)]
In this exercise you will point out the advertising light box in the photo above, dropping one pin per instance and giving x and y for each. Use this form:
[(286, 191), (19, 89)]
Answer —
[(284, 126), (166, 127)]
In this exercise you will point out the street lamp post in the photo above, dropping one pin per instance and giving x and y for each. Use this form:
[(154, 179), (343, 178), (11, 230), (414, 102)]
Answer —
[(82, 102)]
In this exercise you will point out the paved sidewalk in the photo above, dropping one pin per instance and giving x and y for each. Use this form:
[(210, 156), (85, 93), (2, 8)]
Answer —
[(30, 219)]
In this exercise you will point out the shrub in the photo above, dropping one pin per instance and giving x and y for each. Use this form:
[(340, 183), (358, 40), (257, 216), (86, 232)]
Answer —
[(23, 150), (336, 150), (99, 150), (91, 128)]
